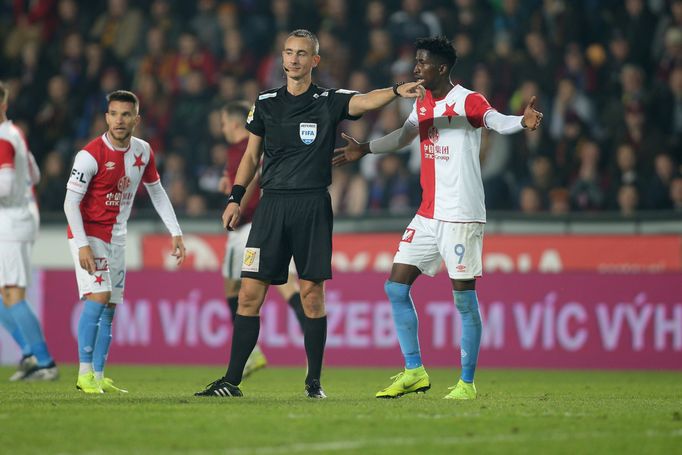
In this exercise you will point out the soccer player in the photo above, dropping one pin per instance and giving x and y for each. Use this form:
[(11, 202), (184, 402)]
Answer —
[(105, 177), (296, 124), (449, 223), (18, 231), (233, 120)]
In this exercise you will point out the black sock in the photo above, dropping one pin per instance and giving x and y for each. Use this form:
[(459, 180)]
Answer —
[(244, 339), (233, 303), (297, 306), (315, 335)]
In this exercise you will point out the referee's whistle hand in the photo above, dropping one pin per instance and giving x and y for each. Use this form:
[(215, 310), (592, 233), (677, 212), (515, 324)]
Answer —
[(412, 89), (231, 216)]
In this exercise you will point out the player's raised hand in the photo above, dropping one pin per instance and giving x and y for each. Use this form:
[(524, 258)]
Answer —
[(412, 89), (231, 216), (353, 151), (178, 249), (87, 259), (531, 117)]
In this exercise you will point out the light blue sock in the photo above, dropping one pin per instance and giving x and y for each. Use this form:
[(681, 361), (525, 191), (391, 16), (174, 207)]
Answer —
[(406, 322), (30, 328), (11, 326), (467, 304), (101, 351), (87, 330)]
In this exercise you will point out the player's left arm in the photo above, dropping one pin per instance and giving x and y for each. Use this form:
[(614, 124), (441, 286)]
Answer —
[(33, 169), (7, 172), (361, 103), (481, 114), (163, 207)]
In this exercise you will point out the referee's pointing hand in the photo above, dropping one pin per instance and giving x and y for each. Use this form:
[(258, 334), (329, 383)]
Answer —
[(412, 89)]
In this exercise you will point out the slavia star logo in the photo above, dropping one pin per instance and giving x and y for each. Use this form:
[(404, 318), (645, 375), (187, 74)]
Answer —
[(449, 111), (99, 279), (138, 162)]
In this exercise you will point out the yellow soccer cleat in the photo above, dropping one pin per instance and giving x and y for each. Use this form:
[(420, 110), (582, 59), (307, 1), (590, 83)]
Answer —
[(88, 384), (409, 381), (255, 362), (107, 385), (462, 391)]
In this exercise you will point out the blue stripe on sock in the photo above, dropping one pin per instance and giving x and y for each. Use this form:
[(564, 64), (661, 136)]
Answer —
[(406, 322), (103, 341), (88, 325), (472, 329), (30, 328), (8, 322)]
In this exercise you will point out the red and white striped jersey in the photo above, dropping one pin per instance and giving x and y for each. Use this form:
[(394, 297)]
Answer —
[(16, 221), (450, 140), (109, 177)]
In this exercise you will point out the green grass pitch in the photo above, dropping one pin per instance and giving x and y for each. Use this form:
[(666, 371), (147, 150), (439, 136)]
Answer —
[(518, 411)]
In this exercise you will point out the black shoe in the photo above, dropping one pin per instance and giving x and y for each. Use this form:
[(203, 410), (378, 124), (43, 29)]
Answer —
[(220, 388), (314, 390), (44, 373)]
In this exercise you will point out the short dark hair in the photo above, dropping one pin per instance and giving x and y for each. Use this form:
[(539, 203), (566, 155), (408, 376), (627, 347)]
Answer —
[(4, 93), (302, 33), (237, 108), (124, 96), (439, 47)]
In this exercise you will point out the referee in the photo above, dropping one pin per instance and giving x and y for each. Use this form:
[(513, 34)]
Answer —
[(295, 125)]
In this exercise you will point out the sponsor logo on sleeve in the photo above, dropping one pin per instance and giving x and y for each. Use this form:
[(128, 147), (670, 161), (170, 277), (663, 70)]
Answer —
[(77, 177), (249, 118)]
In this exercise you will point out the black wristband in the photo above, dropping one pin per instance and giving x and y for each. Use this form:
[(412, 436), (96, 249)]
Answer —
[(395, 88), (237, 194)]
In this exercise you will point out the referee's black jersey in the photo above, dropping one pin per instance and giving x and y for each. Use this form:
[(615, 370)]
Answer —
[(299, 134)]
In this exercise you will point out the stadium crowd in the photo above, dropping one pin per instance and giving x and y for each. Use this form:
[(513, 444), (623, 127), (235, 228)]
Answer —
[(608, 75)]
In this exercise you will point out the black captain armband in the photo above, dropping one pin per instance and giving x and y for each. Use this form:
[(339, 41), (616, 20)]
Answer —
[(395, 88), (237, 194)]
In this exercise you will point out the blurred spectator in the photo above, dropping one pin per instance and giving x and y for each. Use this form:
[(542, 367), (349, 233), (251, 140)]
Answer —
[(587, 187), (51, 189), (628, 200), (394, 188), (205, 25), (559, 201), (195, 206), (658, 190), (625, 170), (118, 29), (570, 100), (676, 194), (530, 201), (637, 22), (412, 21), (55, 116), (190, 60)]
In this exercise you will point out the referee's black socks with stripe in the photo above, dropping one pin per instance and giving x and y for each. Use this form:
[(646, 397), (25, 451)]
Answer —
[(315, 334), (244, 339)]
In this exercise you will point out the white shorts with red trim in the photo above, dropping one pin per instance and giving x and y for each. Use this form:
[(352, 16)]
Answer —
[(15, 263), (426, 242), (110, 271)]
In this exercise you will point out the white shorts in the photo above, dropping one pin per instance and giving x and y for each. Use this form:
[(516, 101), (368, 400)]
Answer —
[(234, 253), (15, 263), (426, 241), (110, 274)]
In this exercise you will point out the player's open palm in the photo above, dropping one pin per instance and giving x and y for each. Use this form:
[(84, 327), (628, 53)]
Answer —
[(352, 151), (231, 216), (532, 117)]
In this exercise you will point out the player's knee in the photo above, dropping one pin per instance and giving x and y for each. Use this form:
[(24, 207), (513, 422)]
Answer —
[(396, 292), (249, 303), (312, 299), (100, 297)]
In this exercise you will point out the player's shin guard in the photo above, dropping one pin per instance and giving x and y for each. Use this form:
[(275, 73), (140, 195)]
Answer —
[(11, 326), (467, 305), (406, 322), (102, 342), (30, 328), (88, 325), (244, 339), (315, 338)]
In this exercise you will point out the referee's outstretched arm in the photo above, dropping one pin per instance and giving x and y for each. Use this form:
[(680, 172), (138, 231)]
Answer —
[(245, 174), (375, 99)]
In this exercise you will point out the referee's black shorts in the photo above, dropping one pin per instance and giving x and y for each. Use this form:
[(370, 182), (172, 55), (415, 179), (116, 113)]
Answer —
[(287, 224)]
